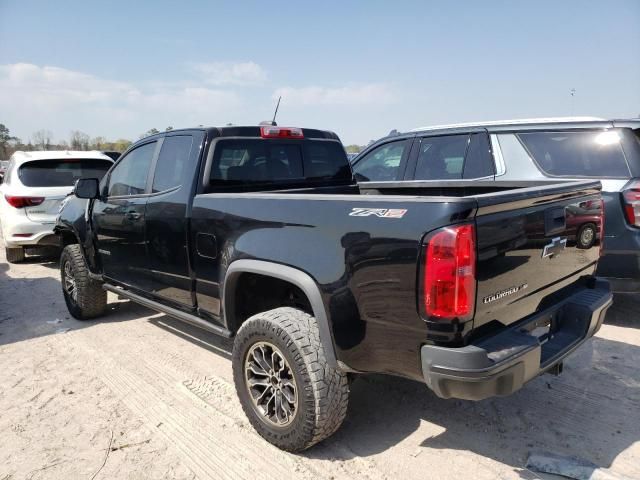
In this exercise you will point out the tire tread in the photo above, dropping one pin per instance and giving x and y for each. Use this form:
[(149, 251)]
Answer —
[(92, 298), (329, 387)]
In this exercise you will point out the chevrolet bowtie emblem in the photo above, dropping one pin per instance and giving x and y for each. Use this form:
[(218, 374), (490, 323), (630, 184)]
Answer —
[(556, 246)]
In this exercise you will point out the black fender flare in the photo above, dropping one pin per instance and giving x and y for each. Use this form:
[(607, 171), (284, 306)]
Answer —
[(297, 277), (61, 229)]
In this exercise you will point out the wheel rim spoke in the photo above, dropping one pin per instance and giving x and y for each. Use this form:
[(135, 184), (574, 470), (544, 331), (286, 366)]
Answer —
[(289, 395), (260, 358), (270, 384), (254, 382), (70, 282), (257, 369)]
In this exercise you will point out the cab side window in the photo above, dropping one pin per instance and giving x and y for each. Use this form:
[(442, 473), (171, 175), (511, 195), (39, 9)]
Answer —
[(454, 157), (382, 163), (441, 158), (173, 158), (129, 176)]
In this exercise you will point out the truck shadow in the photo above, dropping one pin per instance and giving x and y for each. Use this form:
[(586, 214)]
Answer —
[(571, 414), (43, 311), (41, 316), (197, 336), (624, 312), (591, 411)]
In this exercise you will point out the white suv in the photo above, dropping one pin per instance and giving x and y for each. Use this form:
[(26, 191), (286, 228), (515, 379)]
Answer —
[(32, 190)]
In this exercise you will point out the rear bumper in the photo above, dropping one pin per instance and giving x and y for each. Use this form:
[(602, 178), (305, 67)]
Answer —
[(620, 259), (621, 268), (503, 363), (19, 231), (45, 238)]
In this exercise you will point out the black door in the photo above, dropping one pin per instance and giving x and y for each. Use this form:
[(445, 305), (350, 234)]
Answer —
[(166, 219), (119, 219)]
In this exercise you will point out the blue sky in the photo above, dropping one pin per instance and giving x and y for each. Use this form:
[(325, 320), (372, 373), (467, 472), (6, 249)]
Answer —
[(116, 68)]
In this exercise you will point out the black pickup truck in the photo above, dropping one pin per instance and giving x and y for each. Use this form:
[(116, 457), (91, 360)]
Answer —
[(261, 233)]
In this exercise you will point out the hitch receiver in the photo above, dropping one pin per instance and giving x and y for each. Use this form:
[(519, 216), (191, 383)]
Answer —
[(556, 370)]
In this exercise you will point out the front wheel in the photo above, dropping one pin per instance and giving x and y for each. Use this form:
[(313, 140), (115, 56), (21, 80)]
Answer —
[(289, 393), (85, 297)]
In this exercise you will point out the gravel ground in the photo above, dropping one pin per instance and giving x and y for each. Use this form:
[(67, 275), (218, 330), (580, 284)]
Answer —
[(138, 395)]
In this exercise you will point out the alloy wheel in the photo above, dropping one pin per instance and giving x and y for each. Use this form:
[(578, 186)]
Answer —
[(70, 286), (271, 384)]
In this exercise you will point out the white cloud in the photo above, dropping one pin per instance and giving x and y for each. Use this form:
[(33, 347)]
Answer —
[(53, 86), (34, 97), (228, 73), (367, 94)]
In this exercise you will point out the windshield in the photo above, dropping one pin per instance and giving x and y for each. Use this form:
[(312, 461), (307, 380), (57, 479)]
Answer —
[(596, 154), (61, 173)]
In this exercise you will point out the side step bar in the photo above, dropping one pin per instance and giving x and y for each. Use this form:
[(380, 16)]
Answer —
[(172, 312)]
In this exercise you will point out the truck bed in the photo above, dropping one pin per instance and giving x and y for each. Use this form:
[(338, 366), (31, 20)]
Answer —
[(367, 261)]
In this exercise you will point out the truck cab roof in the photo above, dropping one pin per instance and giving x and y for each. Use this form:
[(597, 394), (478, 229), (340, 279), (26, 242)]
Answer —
[(248, 131)]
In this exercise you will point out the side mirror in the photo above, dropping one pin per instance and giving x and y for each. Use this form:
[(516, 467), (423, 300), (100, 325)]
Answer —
[(87, 188)]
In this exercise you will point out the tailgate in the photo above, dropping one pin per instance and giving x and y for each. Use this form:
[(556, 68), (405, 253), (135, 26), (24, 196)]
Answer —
[(531, 243), (46, 212)]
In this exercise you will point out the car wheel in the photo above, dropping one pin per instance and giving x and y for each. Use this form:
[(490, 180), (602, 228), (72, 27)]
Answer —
[(586, 236), (85, 297), (289, 393), (14, 255)]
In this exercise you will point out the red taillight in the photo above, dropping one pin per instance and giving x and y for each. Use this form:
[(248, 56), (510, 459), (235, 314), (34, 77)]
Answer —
[(281, 132), (631, 200), (21, 202), (449, 282)]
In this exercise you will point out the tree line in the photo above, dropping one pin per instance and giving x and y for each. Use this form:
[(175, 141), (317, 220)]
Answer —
[(43, 140)]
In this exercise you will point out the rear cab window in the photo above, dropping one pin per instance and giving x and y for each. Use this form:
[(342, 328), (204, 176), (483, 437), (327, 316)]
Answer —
[(592, 154), (257, 163), (61, 173)]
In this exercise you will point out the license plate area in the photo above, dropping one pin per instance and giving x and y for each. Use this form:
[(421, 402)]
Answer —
[(542, 328)]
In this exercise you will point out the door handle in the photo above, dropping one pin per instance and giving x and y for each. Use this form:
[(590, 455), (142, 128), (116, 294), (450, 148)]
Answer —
[(132, 215)]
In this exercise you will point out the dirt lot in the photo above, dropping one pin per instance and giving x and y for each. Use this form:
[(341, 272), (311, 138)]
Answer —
[(149, 397)]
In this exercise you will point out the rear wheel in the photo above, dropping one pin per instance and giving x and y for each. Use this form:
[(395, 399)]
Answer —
[(586, 236), (14, 255), (291, 396), (85, 297)]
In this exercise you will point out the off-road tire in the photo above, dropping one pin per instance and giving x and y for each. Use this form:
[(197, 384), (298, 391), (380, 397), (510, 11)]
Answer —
[(323, 392), (91, 299), (14, 255)]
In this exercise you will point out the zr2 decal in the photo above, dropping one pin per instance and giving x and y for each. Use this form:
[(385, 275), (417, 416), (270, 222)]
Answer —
[(378, 212)]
